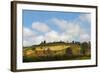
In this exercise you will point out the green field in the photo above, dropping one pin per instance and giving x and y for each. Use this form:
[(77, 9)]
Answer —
[(55, 58)]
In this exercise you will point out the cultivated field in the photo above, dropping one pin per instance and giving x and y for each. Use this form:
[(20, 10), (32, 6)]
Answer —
[(53, 52)]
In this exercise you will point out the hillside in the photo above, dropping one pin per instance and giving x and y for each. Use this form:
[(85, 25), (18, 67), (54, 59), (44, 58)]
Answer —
[(55, 51)]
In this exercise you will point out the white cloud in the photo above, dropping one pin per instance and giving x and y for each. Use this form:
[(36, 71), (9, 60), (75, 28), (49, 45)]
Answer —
[(71, 30), (60, 23), (68, 27), (27, 43), (66, 37), (55, 36), (41, 27), (48, 37), (85, 17), (38, 39), (85, 37), (28, 32), (74, 29), (51, 36), (28, 35)]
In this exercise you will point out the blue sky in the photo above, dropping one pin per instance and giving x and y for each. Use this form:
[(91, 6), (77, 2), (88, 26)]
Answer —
[(51, 24), (30, 16)]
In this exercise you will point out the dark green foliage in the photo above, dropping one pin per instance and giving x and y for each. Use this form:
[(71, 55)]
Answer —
[(85, 47), (69, 52), (55, 58)]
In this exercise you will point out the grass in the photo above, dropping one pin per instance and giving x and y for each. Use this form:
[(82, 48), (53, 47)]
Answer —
[(54, 58)]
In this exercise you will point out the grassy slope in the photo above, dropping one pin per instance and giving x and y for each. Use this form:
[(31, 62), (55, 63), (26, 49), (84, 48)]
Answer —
[(32, 57)]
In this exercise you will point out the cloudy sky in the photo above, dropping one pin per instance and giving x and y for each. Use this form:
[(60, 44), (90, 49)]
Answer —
[(55, 26)]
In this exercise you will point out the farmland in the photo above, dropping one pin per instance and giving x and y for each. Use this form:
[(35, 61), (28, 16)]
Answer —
[(55, 51)]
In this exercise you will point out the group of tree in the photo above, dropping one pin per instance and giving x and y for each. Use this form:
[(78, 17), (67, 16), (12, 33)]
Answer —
[(85, 47)]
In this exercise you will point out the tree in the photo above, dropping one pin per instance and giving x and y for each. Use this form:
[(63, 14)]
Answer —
[(84, 46), (73, 42), (44, 41), (69, 51)]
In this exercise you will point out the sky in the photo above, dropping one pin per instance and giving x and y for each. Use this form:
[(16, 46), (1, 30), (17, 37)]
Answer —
[(55, 26)]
